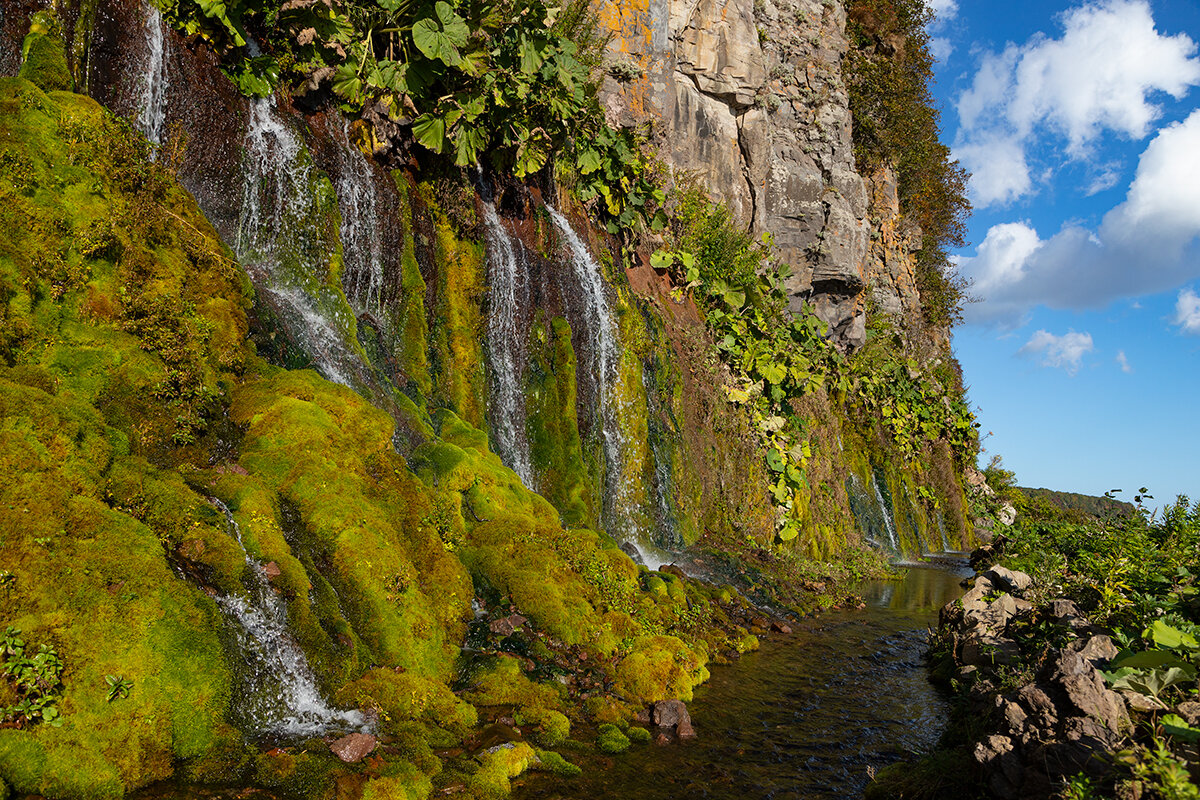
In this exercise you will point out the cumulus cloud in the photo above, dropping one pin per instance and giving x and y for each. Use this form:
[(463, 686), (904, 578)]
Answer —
[(1123, 362), (1066, 351), (1101, 75), (1148, 243), (1187, 312), (943, 10)]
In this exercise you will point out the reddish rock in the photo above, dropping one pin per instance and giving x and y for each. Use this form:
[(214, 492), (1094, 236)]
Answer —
[(506, 626), (642, 717), (662, 738), (354, 747), (684, 729), (779, 626), (669, 713), (271, 570)]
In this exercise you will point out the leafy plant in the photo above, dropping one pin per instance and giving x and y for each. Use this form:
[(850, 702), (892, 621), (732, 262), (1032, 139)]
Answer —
[(36, 679), (118, 687)]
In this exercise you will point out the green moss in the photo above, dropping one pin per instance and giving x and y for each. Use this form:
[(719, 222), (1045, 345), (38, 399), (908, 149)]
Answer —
[(404, 781), (497, 766), (456, 352), (402, 697), (553, 429), (43, 58), (411, 349), (553, 727), (554, 763), (611, 740), (638, 735), (661, 668)]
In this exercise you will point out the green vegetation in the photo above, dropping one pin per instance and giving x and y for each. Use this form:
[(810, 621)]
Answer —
[(507, 80), (888, 70), (777, 359), (37, 680)]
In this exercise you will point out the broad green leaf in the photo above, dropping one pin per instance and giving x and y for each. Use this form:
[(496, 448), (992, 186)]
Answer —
[(774, 461), (1177, 726), (468, 142), (347, 84), (789, 532), (662, 259), (440, 37), (734, 298), (588, 161), (1170, 637), (430, 132)]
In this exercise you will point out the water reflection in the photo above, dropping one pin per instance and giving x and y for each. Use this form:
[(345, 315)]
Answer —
[(805, 717)]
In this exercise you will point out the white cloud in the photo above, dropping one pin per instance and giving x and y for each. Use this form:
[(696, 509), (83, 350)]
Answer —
[(1066, 351), (1187, 312), (940, 48), (1104, 179), (1101, 75), (1123, 362), (1148, 243), (943, 10)]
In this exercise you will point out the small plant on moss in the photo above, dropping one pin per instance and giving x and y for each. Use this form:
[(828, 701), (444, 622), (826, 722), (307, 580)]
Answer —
[(36, 678), (118, 687)]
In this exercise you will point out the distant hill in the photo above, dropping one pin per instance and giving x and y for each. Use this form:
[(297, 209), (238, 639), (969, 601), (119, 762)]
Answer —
[(1072, 503)]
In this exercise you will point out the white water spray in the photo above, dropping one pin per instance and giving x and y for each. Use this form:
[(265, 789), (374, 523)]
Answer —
[(886, 513), (602, 330), (507, 273), (152, 102), (362, 246), (282, 698)]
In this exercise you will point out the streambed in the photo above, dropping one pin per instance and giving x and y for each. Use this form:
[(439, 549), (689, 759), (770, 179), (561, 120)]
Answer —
[(806, 716)]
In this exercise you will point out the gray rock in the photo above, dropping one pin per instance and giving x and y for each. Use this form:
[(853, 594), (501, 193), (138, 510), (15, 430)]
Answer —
[(669, 713), (1008, 580)]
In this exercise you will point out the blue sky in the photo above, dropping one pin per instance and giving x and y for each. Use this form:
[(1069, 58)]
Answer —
[(1080, 123)]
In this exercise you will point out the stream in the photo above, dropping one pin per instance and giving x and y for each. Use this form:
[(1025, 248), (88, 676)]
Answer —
[(808, 715)]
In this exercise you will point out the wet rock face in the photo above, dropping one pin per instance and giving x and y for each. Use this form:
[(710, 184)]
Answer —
[(749, 98)]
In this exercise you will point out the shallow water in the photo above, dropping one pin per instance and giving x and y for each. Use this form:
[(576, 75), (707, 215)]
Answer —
[(806, 716)]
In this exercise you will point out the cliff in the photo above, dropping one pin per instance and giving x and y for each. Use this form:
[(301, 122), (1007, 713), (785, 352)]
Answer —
[(293, 368)]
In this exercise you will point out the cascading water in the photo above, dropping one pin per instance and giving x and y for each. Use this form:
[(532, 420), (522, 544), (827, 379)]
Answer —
[(506, 277), (278, 245), (152, 100), (362, 246), (602, 329), (280, 696), (886, 514)]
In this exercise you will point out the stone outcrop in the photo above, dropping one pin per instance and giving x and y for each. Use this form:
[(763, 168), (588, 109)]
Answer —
[(1064, 720), (748, 98)]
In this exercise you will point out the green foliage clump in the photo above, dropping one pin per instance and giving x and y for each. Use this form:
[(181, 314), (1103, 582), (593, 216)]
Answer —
[(36, 677), (896, 122), (1137, 575), (509, 81), (497, 766), (43, 57), (661, 668)]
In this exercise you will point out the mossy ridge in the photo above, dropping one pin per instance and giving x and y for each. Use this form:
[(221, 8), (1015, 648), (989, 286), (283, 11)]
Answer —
[(556, 449)]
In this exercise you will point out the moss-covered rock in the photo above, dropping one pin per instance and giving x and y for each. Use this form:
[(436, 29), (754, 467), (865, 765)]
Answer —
[(610, 739)]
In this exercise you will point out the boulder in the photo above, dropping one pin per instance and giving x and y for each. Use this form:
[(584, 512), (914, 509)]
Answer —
[(354, 747), (1008, 580), (506, 626), (1190, 711), (670, 713)]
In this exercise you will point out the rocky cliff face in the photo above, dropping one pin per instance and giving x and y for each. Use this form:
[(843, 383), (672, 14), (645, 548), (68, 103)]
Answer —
[(748, 97)]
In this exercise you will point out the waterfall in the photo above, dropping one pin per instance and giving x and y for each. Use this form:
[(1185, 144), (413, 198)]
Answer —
[(152, 102), (362, 246), (602, 328), (279, 244), (506, 278), (280, 696), (886, 513)]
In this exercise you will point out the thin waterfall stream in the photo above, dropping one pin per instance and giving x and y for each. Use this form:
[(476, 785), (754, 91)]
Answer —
[(152, 99), (506, 345), (602, 330), (279, 696)]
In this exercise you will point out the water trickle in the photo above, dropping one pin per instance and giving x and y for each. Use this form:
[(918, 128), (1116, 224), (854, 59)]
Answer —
[(507, 273), (152, 101), (623, 503), (283, 247), (362, 246), (279, 696), (886, 514)]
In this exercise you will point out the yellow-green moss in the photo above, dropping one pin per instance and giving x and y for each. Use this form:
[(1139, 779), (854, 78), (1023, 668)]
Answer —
[(43, 58), (661, 668), (552, 426), (497, 766), (411, 349), (611, 740)]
